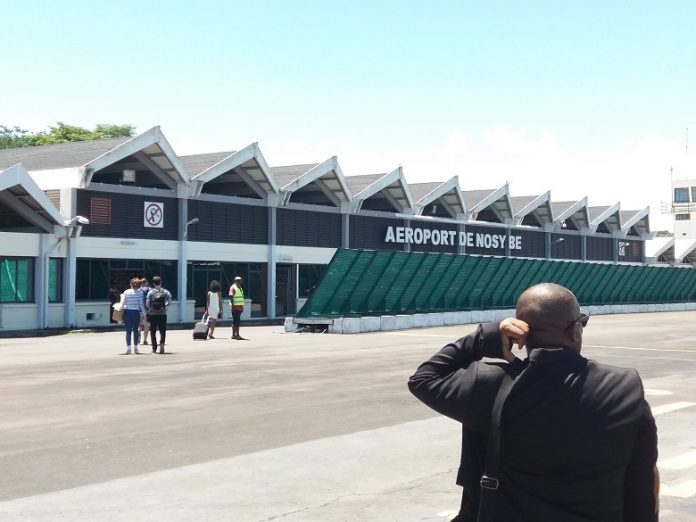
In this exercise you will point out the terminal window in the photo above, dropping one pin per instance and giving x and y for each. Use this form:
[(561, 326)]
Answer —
[(55, 280), (309, 276), (681, 195), (16, 279)]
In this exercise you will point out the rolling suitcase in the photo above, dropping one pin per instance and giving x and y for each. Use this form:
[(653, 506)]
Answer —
[(200, 329)]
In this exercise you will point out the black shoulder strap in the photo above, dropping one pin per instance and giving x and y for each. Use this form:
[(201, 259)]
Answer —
[(489, 480)]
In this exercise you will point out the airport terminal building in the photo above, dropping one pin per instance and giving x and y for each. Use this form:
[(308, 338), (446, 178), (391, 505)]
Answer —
[(78, 220)]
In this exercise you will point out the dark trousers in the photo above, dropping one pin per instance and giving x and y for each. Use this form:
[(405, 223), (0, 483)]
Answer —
[(236, 317), (157, 323)]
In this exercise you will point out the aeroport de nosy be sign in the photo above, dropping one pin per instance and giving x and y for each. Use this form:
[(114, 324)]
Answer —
[(427, 236)]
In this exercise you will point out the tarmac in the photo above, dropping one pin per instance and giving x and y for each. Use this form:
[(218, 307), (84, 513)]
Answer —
[(282, 426)]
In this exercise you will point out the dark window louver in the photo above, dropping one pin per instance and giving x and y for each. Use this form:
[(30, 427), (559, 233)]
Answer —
[(100, 211)]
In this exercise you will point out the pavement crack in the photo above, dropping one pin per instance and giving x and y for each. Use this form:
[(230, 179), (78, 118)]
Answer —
[(408, 486), (321, 506)]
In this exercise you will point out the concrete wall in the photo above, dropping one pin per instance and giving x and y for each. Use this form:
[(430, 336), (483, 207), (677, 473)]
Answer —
[(25, 316), (55, 315), (92, 313), (19, 316)]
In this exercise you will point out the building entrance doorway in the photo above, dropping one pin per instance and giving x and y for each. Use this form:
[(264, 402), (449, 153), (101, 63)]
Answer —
[(119, 282), (285, 290)]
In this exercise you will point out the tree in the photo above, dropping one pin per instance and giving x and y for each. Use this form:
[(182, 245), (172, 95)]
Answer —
[(11, 137), (111, 130)]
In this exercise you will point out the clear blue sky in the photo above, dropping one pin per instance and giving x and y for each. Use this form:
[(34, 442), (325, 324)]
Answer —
[(580, 98)]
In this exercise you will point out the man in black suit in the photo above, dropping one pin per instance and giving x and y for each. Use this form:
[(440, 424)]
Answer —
[(578, 442)]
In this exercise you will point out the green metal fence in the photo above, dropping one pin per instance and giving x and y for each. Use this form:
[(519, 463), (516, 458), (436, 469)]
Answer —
[(373, 282)]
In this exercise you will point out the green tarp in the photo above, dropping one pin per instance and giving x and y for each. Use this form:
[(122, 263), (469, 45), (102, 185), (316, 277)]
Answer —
[(372, 282)]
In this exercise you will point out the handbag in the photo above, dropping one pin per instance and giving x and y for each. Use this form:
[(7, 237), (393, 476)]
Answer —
[(117, 314)]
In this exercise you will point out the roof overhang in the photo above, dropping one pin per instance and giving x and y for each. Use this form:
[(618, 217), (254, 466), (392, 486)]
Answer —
[(540, 207), (685, 251), (249, 164), (639, 221), (152, 149), (392, 186), (610, 217), (498, 202), (660, 247), (448, 194), (329, 179), (21, 194), (576, 212)]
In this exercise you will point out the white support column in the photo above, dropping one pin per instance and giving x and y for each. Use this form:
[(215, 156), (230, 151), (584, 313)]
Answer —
[(68, 203), (183, 258), (41, 280), (70, 281), (272, 256)]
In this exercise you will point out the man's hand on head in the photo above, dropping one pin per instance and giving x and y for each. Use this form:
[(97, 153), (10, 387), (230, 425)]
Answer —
[(512, 331)]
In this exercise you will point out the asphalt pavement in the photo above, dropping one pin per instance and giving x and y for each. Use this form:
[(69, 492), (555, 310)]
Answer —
[(282, 426)]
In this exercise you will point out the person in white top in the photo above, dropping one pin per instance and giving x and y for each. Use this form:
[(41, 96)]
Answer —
[(213, 306), (133, 306)]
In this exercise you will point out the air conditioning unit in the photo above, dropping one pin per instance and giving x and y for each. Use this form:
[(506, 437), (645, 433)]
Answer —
[(128, 176)]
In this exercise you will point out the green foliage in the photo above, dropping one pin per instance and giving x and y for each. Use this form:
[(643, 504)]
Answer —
[(664, 233), (111, 130), (11, 137)]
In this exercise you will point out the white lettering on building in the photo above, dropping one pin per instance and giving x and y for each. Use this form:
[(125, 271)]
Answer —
[(428, 236)]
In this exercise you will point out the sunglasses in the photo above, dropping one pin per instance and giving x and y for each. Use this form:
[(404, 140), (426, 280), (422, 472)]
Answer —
[(583, 319)]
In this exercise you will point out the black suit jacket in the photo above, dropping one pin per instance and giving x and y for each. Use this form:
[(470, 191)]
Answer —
[(578, 440)]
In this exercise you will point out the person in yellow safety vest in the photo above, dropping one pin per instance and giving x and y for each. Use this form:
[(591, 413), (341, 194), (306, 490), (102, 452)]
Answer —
[(237, 305)]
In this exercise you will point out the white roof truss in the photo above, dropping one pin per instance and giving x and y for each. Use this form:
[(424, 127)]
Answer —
[(447, 194), (392, 187), (249, 164), (327, 177), (539, 207), (685, 251), (498, 202), (22, 195), (611, 218), (150, 148), (660, 247), (576, 213), (640, 222)]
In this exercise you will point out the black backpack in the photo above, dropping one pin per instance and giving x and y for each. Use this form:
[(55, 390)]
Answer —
[(158, 300)]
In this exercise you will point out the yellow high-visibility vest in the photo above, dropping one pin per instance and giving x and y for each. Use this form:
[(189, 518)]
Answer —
[(238, 297)]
